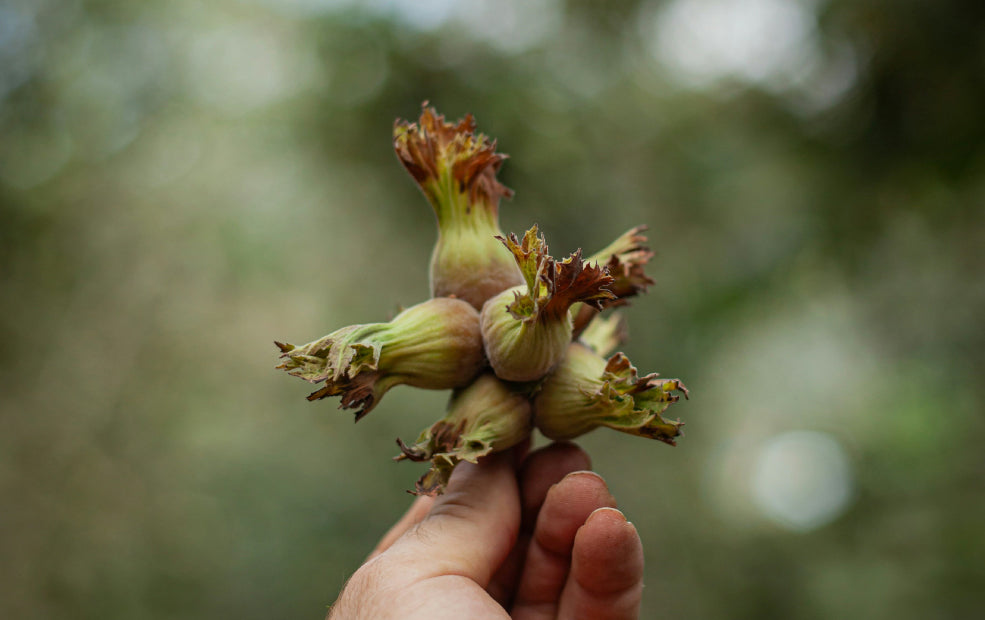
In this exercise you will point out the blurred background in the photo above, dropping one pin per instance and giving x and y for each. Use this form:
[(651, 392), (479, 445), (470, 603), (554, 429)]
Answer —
[(183, 182)]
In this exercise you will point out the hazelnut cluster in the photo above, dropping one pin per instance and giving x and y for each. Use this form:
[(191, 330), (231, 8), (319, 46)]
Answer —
[(517, 334)]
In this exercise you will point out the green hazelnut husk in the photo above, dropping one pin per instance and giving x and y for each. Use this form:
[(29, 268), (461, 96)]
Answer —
[(526, 330), (604, 334), (522, 350), (456, 167), (485, 417), (434, 345), (587, 391)]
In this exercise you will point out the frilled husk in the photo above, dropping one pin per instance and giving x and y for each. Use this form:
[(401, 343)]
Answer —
[(625, 259), (456, 167), (485, 417), (587, 391), (433, 345), (526, 329)]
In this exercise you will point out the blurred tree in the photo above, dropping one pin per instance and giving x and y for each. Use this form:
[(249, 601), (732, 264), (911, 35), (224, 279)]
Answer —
[(181, 183)]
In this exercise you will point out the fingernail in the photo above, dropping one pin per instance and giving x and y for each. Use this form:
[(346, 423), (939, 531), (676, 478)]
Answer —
[(588, 473), (614, 511)]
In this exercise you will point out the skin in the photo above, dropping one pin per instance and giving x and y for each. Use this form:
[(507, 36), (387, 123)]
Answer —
[(529, 537)]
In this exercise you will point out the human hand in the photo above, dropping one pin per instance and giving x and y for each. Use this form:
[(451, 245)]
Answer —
[(537, 542)]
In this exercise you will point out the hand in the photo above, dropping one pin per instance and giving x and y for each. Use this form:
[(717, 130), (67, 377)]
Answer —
[(542, 542)]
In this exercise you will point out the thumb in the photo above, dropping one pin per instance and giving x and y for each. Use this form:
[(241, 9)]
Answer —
[(471, 528)]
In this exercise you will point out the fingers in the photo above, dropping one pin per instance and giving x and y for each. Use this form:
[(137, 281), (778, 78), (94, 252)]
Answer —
[(566, 508), (542, 470), (539, 471), (414, 515), (470, 529), (606, 579)]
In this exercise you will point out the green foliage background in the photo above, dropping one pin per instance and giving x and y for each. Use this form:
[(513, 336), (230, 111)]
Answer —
[(182, 182)]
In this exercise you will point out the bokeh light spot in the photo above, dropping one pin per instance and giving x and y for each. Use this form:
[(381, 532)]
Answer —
[(802, 480), (760, 41)]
